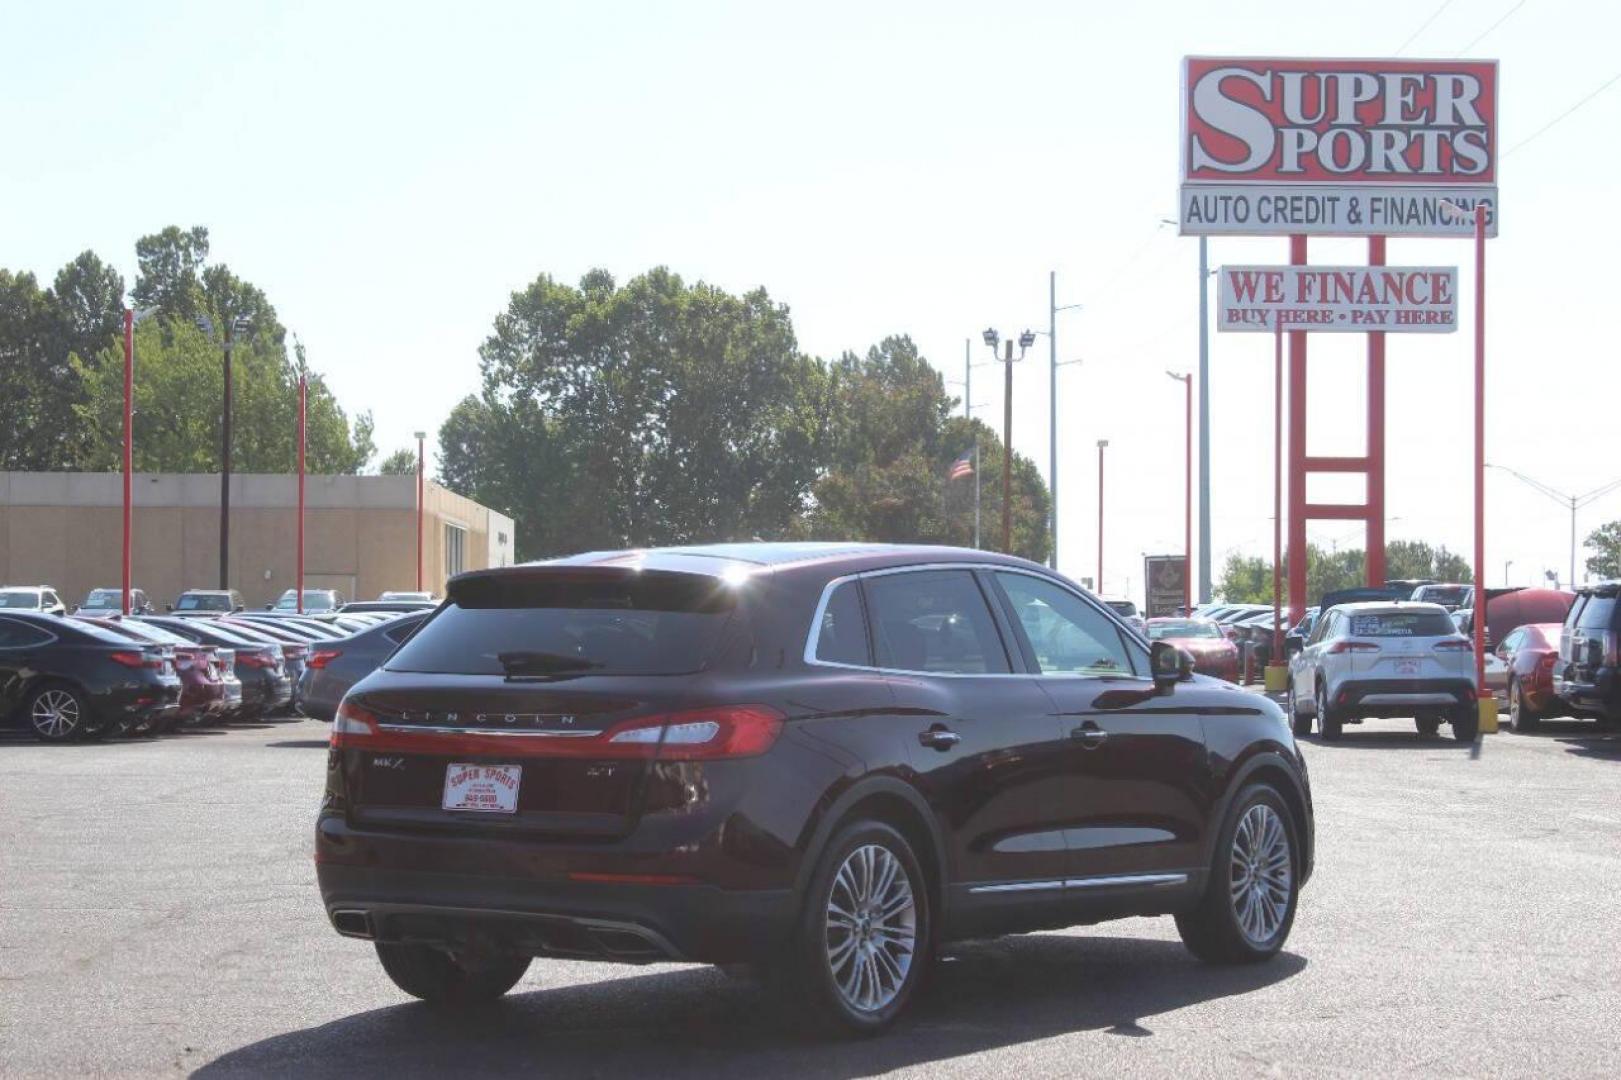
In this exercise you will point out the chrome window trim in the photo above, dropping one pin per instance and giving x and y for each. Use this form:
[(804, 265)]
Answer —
[(815, 631), (50, 638), (502, 732)]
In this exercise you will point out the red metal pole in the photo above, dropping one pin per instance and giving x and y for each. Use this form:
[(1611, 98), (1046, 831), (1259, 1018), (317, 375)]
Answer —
[(1187, 506), (129, 437), (1101, 444), (1480, 448), (420, 460), (1297, 454), (1376, 438), (303, 398), (1277, 489)]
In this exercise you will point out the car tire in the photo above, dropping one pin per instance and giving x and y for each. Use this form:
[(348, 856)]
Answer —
[(857, 974), (444, 980), (1301, 725), (1521, 716), (58, 713), (1249, 903), (1466, 722), (1327, 719), (1428, 726)]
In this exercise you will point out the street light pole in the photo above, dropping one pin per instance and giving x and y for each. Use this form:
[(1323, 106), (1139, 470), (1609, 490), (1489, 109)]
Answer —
[(1026, 339), (1204, 420), (303, 402), (1572, 503), (1187, 489), (129, 437), (1103, 445), (225, 467), (421, 461), (1053, 308)]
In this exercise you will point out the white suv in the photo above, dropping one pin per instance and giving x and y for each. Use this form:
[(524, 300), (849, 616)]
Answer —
[(1384, 658), (32, 598)]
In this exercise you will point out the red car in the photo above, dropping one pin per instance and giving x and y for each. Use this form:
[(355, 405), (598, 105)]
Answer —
[(1212, 653), (202, 689), (1530, 653)]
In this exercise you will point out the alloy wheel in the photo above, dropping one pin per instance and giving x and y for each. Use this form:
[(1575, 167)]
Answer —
[(55, 714), (871, 936), (1262, 874)]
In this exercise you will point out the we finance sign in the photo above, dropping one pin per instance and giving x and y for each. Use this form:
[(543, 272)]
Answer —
[(1343, 299), (1337, 147)]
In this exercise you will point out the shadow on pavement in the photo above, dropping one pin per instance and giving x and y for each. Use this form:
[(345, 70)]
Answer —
[(983, 996)]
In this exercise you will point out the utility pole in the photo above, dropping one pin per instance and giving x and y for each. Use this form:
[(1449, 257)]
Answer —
[(1187, 495), (967, 383), (1053, 308), (421, 463), (1103, 444), (232, 325)]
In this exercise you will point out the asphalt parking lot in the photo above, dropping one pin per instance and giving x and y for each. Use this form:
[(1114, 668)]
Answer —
[(158, 915)]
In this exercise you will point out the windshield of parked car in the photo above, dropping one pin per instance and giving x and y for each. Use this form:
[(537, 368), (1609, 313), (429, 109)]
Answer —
[(552, 627), (1402, 624), (313, 598), (203, 602), (1446, 595), (19, 598), (1182, 628), (104, 599)]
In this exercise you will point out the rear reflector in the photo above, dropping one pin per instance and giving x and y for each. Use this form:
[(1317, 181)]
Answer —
[(633, 879)]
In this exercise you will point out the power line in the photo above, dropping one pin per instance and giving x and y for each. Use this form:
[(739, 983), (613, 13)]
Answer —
[(1425, 25), (1611, 81), (1482, 35)]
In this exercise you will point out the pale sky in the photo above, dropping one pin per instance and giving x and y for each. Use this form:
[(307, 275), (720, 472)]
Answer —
[(390, 173)]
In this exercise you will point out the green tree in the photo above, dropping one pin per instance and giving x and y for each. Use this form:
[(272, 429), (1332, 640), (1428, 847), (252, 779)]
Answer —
[(402, 462), (1416, 559), (655, 412), (1605, 541), (170, 266), (1245, 579), (892, 442), (31, 377)]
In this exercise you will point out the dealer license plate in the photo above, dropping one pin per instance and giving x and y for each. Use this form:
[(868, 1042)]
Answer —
[(1406, 667), (492, 789)]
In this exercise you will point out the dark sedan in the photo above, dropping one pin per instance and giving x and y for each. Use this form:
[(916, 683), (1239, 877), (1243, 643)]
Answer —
[(203, 691), (258, 664), (335, 666), (822, 760), (69, 679)]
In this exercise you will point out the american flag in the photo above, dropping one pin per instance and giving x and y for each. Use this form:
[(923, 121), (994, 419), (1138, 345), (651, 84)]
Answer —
[(963, 466)]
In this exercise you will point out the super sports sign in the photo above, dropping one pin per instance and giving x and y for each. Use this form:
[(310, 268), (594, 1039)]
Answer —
[(1337, 147)]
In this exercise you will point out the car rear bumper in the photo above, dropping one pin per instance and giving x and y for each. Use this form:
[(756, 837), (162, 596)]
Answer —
[(1397, 697), (1597, 694), (544, 913)]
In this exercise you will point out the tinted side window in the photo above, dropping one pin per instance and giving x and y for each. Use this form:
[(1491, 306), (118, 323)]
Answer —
[(934, 621), (1069, 636), (15, 635), (841, 637)]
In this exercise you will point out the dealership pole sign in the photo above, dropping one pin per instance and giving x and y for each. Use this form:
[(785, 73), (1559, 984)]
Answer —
[(1339, 299), (1299, 147)]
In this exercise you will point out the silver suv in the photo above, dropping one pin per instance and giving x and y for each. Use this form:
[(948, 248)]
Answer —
[(1381, 659)]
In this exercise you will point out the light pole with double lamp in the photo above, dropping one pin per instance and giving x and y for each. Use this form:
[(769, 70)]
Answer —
[(1053, 364), (1103, 444), (1572, 503), (131, 317), (233, 325), (1026, 339), (421, 461)]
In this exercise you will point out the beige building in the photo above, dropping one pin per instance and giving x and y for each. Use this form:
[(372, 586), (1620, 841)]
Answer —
[(65, 530)]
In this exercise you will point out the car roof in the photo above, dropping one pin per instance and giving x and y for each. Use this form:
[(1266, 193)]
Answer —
[(1391, 607)]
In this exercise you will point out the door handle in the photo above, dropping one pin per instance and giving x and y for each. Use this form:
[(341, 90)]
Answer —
[(1091, 735), (939, 738)]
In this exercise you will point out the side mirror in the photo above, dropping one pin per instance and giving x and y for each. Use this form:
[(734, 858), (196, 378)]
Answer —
[(1292, 645), (1170, 664), (242, 607), (168, 607), (270, 607)]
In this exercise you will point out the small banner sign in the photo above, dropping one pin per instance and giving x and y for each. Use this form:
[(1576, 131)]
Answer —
[(1167, 577), (1339, 299)]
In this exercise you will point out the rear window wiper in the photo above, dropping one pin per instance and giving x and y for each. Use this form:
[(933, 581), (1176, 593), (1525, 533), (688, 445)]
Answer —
[(518, 664)]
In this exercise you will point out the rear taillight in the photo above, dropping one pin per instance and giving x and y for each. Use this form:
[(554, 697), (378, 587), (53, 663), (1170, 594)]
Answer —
[(1612, 646), (1453, 645), (729, 731), (256, 659), (1546, 660), (320, 658), (1353, 646), (137, 659), (724, 731)]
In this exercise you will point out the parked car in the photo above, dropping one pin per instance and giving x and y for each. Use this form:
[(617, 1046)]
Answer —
[(1377, 658), (1128, 612), (258, 665), (1295, 639), (31, 598), (1228, 620), (355, 606), (1254, 640), (1530, 653), (303, 623), (1586, 675), (111, 602), (1451, 596), (1202, 639), (825, 760), (315, 601), (335, 666), (209, 689), (409, 595), (295, 650), (65, 679), (206, 602)]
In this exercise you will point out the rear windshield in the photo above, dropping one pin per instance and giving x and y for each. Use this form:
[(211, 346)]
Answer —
[(105, 598), (1596, 615), (1182, 628), (1450, 595), (643, 625), (24, 600), (1403, 624)]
